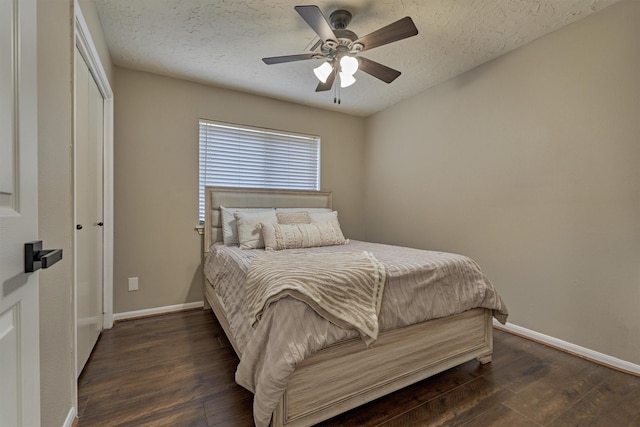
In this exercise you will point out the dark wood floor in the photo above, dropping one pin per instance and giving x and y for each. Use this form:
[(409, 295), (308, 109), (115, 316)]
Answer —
[(177, 370)]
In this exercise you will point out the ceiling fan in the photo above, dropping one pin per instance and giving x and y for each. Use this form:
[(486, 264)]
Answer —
[(341, 47)]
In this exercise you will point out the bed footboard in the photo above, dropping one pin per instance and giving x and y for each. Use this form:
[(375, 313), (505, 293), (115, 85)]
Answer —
[(347, 375)]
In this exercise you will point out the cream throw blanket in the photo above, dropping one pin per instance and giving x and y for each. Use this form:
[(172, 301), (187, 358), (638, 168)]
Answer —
[(343, 287)]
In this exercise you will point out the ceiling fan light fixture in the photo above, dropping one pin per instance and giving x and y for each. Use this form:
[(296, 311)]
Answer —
[(349, 65), (346, 79), (323, 71), (340, 48)]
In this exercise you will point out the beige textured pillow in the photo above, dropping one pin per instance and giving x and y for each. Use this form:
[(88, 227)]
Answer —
[(249, 235), (293, 217), (295, 236)]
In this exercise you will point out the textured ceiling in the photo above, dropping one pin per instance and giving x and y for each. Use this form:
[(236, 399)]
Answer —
[(221, 42)]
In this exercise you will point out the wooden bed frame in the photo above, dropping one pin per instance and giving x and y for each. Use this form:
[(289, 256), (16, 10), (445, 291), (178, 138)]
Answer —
[(346, 375)]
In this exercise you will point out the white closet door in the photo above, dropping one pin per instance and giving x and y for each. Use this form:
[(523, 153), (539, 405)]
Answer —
[(89, 127)]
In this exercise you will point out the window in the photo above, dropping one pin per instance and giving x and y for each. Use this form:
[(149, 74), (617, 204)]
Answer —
[(241, 156)]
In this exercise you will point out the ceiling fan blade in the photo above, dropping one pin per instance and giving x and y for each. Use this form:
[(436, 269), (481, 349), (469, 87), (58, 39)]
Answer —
[(328, 84), (378, 70), (289, 58), (395, 31), (316, 20)]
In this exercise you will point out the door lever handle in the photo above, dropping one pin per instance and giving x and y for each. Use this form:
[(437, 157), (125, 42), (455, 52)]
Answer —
[(35, 257)]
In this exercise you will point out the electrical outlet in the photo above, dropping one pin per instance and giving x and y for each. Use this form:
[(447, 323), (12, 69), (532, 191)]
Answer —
[(133, 284)]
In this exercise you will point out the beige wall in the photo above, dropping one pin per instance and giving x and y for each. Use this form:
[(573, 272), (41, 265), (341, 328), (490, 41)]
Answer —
[(57, 365), (529, 164), (156, 177)]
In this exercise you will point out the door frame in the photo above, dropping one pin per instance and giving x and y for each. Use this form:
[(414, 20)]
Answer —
[(87, 48)]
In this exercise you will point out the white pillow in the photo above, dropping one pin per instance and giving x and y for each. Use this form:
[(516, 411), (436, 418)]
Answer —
[(229, 226), (295, 236), (324, 216), (310, 210), (249, 234)]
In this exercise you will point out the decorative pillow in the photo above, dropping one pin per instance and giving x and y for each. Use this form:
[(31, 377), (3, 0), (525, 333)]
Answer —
[(293, 217), (295, 236), (310, 210), (249, 235), (229, 226), (324, 216)]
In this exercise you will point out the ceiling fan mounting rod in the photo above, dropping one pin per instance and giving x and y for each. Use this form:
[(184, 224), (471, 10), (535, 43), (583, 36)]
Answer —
[(344, 42), (340, 19)]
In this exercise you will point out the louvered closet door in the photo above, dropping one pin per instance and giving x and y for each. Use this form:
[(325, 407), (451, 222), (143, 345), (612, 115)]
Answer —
[(89, 126)]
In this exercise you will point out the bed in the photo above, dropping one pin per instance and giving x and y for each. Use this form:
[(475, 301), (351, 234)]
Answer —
[(347, 373)]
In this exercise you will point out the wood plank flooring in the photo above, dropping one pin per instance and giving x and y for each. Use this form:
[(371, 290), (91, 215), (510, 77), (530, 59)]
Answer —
[(178, 370)]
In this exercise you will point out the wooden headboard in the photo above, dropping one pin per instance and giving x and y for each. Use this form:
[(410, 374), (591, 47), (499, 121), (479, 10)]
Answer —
[(234, 197)]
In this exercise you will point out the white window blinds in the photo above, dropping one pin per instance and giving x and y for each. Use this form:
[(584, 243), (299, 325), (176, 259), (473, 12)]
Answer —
[(239, 156)]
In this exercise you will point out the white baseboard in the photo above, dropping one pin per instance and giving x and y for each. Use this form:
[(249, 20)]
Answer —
[(158, 310), (604, 359), (71, 416), (568, 347)]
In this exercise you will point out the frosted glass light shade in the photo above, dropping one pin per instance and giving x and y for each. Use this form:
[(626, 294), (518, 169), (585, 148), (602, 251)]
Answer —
[(348, 65), (346, 80), (323, 71)]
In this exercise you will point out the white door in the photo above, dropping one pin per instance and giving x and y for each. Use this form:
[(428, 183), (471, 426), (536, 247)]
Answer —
[(89, 128), (19, 331)]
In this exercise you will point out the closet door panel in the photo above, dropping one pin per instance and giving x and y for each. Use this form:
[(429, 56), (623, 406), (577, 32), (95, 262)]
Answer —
[(88, 199)]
